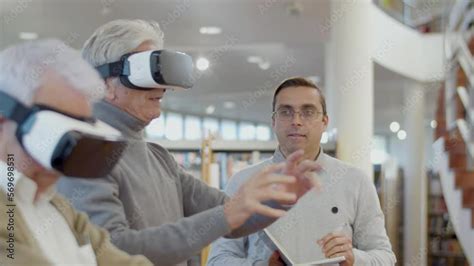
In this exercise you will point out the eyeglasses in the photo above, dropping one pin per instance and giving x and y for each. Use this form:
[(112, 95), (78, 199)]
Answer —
[(288, 114)]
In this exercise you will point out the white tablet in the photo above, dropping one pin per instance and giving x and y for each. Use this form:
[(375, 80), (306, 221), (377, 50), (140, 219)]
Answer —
[(296, 234)]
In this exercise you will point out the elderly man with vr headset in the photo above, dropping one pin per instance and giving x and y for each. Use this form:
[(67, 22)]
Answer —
[(149, 204), (47, 130)]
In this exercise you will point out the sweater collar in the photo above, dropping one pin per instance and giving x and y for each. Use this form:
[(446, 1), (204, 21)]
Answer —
[(278, 156), (130, 126)]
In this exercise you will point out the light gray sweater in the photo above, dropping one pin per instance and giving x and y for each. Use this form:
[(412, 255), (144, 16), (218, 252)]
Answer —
[(355, 196), (149, 204)]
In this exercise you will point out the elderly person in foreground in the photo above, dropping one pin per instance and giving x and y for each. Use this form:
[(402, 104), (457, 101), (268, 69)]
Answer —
[(47, 130)]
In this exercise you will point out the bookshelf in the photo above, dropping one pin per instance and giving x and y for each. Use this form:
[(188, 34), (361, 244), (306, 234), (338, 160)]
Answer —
[(228, 157), (443, 246), (390, 188)]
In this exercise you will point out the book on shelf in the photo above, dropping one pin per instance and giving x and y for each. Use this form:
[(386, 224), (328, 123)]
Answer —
[(440, 225), (190, 161), (444, 247), (231, 163), (223, 167), (437, 205)]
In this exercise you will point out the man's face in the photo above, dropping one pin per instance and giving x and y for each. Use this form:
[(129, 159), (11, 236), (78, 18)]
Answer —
[(144, 105), (57, 94), (300, 130)]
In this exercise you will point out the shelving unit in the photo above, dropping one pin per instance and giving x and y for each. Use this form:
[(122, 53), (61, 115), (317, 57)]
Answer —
[(443, 245), (389, 184), (228, 157)]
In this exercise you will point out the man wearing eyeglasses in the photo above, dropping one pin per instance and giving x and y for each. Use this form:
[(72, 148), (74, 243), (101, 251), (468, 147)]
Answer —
[(299, 119)]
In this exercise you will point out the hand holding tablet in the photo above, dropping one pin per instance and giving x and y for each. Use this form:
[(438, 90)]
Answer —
[(295, 235)]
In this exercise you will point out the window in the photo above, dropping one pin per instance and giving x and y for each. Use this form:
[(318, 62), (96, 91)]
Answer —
[(210, 126), (246, 131), (229, 130), (174, 126), (156, 129), (263, 132), (192, 128)]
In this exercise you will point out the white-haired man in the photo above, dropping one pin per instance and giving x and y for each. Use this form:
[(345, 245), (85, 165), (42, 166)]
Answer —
[(45, 89), (149, 204)]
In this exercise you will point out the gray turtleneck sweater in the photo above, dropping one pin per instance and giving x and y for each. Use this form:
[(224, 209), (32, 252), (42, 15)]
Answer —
[(148, 203)]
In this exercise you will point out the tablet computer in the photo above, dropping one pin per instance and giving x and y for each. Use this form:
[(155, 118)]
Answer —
[(295, 235)]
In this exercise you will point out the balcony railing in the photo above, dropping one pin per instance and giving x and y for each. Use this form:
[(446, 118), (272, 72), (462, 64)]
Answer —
[(423, 15)]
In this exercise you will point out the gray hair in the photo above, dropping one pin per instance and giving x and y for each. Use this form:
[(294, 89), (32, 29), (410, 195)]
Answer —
[(118, 37), (22, 68)]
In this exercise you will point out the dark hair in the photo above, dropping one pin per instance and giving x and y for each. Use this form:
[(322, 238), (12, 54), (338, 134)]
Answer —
[(299, 82)]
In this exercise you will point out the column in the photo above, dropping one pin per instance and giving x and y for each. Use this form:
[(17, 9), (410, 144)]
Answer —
[(353, 81), (415, 183)]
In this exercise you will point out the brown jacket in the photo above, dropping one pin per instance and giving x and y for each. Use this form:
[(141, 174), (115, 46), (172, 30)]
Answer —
[(28, 252)]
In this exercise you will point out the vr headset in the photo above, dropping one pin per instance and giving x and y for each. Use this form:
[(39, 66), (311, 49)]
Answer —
[(74, 146), (152, 69)]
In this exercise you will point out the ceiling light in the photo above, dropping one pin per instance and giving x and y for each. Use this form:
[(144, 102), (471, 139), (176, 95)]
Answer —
[(264, 65), (211, 30), (254, 59), (433, 124), (229, 105), (28, 36), (394, 126), (402, 135), (210, 109), (202, 63)]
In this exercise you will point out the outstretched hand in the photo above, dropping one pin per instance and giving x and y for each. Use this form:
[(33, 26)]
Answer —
[(304, 171)]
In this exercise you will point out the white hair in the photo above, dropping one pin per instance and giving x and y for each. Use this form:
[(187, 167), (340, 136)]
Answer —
[(118, 37), (22, 69)]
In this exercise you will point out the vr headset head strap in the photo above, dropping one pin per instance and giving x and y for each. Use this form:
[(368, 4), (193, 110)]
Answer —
[(12, 109), (119, 69), (114, 69)]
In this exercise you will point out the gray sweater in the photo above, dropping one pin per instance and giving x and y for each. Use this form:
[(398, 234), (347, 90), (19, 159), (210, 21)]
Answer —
[(148, 203), (357, 199)]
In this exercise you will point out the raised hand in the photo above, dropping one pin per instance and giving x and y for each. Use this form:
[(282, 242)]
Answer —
[(305, 172), (260, 188)]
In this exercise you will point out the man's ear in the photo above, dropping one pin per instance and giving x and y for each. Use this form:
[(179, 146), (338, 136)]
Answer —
[(325, 121), (110, 89)]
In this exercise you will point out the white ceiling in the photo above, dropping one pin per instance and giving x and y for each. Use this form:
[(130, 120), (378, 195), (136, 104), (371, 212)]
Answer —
[(293, 44)]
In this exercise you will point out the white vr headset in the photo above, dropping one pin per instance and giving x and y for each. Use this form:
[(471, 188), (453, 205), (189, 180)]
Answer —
[(152, 69), (74, 146)]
